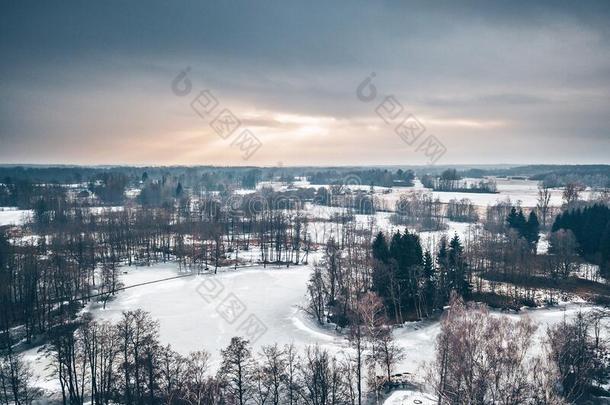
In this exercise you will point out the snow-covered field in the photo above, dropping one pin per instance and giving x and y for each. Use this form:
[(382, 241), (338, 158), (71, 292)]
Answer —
[(192, 311), (189, 320), (518, 190), (13, 216), (320, 231), (191, 315), (405, 397), (523, 191)]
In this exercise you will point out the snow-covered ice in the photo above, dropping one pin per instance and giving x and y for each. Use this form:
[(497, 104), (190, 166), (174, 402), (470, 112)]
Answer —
[(275, 295), (13, 216), (187, 321)]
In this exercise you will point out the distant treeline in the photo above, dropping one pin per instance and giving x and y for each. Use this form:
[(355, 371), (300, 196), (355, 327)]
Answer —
[(551, 175), (371, 177), (210, 177), (21, 186), (554, 175), (452, 180), (24, 187)]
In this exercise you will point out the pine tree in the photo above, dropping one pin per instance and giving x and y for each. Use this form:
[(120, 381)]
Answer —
[(457, 268), (430, 281), (380, 248), (605, 251), (516, 220), (589, 226), (382, 271), (532, 229), (511, 219), (395, 249), (442, 260)]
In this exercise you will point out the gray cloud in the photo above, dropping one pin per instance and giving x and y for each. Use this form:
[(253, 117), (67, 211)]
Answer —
[(98, 73)]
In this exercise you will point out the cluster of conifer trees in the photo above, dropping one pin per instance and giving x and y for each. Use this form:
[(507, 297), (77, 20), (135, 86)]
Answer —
[(526, 228), (591, 228), (412, 283)]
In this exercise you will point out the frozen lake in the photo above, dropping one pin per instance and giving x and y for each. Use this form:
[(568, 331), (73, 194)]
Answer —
[(191, 315), (190, 321)]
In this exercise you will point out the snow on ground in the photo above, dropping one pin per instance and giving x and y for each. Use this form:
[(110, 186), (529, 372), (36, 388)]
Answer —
[(418, 338), (100, 210), (190, 316), (542, 247), (430, 239), (321, 231), (190, 319), (525, 191), (407, 397), (43, 374), (589, 271), (26, 240), (13, 216)]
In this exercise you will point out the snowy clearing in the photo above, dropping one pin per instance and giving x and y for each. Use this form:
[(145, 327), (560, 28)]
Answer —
[(13, 216), (275, 296)]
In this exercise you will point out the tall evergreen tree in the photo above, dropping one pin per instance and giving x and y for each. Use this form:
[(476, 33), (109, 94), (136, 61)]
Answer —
[(380, 248), (532, 231), (516, 220), (442, 260), (458, 268), (430, 282)]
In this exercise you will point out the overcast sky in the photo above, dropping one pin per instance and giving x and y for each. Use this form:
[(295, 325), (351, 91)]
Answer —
[(495, 82)]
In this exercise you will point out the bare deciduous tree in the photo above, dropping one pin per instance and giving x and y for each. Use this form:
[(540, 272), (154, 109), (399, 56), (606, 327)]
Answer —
[(15, 376), (542, 204), (481, 358), (571, 193), (237, 370)]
